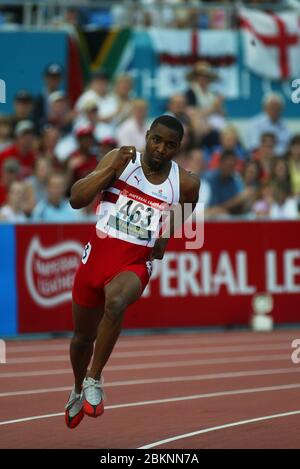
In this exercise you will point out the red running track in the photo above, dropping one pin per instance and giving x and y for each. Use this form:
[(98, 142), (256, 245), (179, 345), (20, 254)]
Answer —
[(199, 390)]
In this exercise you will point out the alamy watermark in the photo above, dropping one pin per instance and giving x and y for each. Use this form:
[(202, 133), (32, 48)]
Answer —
[(2, 351), (295, 357), (295, 96), (2, 92), (145, 222)]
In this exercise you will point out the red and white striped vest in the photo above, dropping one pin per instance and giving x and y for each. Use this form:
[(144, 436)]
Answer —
[(131, 208)]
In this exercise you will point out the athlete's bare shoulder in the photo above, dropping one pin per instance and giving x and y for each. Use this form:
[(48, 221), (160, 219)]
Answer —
[(189, 186)]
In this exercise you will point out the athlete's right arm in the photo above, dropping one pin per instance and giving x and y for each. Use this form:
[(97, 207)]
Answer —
[(108, 169)]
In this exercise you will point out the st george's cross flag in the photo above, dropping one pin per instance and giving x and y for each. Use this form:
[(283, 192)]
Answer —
[(178, 50), (271, 43)]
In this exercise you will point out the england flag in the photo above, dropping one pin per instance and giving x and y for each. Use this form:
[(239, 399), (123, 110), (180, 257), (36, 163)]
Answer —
[(271, 43)]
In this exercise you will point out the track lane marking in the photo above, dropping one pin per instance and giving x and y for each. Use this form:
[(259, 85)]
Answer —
[(170, 379), (159, 353), (219, 427), (169, 364), (168, 400), (168, 341)]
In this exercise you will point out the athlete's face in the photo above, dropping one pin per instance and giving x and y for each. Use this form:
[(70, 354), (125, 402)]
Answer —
[(162, 144)]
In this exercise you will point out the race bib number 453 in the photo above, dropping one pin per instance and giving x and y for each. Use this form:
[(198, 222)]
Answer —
[(135, 217)]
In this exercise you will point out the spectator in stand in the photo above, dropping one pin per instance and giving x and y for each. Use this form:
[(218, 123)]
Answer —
[(53, 79), (88, 114), (293, 157), (261, 208), (177, 107), (280, 175), (265, 154), (37, 183), (252, 179), (5, 132), (133, 130), (270, 120), (48, 142), (106, 145), (98, 91), (84, 160), (123, 93), (10, 172), (59, 113), (195, 163), (251, 174), (204, 104), (284, 206), (72, 17), (13, 211), (229, 140), (56, 207), (228, 192), (88, 117), (156, 13), (22, 149), (23, 107)]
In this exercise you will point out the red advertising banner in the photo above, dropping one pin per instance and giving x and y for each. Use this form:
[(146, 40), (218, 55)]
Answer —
[(211, 286), (47, 259)]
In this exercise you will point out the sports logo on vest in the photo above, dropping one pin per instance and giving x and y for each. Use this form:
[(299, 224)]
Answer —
[(159, 194)]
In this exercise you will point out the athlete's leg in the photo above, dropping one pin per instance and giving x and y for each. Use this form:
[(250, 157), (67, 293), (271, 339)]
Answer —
[(86, 322), (120, 292)]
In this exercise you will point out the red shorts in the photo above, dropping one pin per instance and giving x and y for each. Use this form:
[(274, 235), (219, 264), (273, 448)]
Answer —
[(102, 260)]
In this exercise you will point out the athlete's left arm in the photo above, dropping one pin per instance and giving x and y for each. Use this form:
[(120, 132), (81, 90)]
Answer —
[(189, 194)]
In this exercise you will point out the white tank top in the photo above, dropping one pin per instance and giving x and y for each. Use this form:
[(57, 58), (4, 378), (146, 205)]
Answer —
[(131, 208)]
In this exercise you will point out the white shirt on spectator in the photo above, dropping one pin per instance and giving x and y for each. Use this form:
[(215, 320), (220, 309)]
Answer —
[(65, 146), (85, 97), (69, 143), (130, 133), (107, 105), (261, 124), (206, 100), (45, 211), (102, 129), (7, 214), (286, 211)]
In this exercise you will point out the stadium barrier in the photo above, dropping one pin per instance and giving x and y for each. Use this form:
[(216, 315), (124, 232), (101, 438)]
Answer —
[(211, 286)]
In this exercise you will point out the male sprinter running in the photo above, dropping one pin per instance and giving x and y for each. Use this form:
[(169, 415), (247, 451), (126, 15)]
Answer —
[(116, 264)]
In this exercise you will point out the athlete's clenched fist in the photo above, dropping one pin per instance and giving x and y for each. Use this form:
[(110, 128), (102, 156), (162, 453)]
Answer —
[(121, 158)]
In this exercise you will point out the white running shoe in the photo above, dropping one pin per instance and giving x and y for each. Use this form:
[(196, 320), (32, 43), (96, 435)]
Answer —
[(93, 396), (74, 409)]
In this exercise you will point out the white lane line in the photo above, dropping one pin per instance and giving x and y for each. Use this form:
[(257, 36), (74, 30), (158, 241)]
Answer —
[(23, 374), (219, 427), (28, 419), (148, 366), (166, 341), (159, 353), (168, 400), (170, 379)]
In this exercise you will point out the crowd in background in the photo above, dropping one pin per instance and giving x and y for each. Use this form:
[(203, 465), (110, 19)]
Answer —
[(47, 145), (204, 14)]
